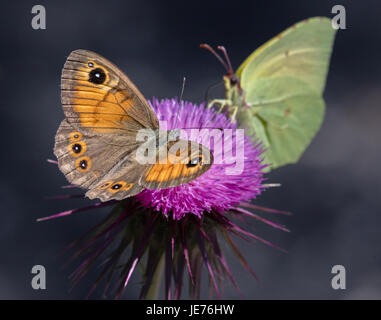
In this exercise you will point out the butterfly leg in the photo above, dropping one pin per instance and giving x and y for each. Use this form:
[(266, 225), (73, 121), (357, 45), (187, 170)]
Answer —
[(233, 113), (221, 102)]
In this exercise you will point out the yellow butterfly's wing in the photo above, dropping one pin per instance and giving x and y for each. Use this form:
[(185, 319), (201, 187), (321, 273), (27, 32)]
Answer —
[(283, 82), (300, 52), (100, 99)]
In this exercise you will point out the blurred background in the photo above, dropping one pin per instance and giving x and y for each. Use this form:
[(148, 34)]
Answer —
[(333, 192)]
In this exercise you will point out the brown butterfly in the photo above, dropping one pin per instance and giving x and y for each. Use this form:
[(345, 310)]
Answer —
[(96, 144)]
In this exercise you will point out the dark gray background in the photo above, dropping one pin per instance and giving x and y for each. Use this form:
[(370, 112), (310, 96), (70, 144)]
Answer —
[(334, 191)]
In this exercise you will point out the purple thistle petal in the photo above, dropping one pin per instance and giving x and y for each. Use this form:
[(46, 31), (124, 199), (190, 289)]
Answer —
[(154, 256), (69, 186), (224, 222), (91, 232), (253, 215), (110, 269), (197, 268), (255, 237), (168, 270), (137, 253), (214, 190), (185, 249), (68, 212), (114, 226), (218, 252), (173, 231), (179, 276), (52, 161), (84, 267), (206, 261), (130, 271), (264, 209), (238, 253)]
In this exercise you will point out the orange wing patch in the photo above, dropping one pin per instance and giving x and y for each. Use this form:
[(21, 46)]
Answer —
[(75, 136), (105, 185), (166, 172), (83, 164), (182, 163), (77, 149), (119, 186), (96, 99)]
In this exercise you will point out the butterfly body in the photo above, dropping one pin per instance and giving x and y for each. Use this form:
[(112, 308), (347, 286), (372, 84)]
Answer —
[(98, 142)]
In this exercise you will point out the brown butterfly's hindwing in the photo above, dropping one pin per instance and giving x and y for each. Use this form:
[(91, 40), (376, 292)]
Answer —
[(180, 169), (123, 185), (86, 159)]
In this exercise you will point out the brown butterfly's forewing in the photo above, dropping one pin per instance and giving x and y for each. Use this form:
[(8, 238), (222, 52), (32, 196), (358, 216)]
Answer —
[(96, 144), (99, 98)]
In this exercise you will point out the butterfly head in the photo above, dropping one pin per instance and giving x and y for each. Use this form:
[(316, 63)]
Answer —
[(230, 78), (232, 82)]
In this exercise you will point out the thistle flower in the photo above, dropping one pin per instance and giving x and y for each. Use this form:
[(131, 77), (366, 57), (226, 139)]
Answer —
[(214, 189), (178, 228)]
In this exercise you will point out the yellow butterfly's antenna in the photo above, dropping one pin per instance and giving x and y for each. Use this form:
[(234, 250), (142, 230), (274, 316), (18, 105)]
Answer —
[(230, 68), (226, 63)]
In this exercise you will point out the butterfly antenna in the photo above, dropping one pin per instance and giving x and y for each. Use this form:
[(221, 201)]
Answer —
[(182, 89), (211, 87), (181, 97), (209, 48), (230, 68)]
